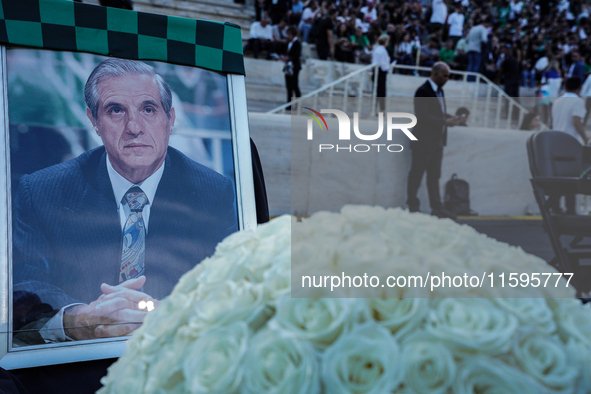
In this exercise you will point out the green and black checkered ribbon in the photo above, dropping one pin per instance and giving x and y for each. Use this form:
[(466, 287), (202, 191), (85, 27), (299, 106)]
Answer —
[(70, 26)]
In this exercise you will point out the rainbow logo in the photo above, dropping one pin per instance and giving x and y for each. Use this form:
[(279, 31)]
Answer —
[(316, 119)]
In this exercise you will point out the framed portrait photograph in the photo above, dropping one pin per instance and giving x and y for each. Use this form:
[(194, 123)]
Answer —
[(125, 165)]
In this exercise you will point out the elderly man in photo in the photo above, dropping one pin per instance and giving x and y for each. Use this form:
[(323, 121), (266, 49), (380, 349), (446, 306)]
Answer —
[(102, 237)]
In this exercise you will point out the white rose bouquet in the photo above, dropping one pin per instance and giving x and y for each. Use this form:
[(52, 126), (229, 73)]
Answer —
[(230, 325)]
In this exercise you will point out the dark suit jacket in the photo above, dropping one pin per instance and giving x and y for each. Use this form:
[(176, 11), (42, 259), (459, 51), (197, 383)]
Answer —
[(67, 235), (294, 55), (430, 129), (579, 70)]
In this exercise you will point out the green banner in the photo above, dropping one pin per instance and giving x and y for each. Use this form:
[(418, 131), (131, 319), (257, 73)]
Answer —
[(70, 26)]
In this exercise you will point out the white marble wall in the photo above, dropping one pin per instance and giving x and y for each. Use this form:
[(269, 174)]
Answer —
[(494, 162)]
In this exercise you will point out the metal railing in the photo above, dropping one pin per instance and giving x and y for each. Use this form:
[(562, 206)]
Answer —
[(498, 111)]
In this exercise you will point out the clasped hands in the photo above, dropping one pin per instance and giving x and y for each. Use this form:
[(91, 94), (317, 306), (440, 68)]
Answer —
[(115, 313)]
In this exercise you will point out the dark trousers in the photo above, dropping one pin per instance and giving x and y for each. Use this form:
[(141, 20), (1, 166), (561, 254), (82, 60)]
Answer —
[(291, 83), (381, 93), (512, 88), (256, 45), (428, 160), (323, 51)]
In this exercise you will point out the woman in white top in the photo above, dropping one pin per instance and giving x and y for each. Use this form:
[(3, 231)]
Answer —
[(380, 56)]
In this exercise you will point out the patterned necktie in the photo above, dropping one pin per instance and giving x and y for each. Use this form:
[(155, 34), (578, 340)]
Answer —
[(134, 236), (441, 100)]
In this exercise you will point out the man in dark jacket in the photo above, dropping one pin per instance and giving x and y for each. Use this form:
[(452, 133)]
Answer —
[(431, 133)]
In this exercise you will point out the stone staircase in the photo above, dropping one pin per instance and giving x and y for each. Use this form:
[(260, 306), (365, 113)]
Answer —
[(213, 10)]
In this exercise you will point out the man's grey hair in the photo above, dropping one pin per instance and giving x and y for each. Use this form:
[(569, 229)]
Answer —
[(113, 68)]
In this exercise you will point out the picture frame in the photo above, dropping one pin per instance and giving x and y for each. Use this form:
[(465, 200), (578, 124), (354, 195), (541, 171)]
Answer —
[(70, 38)]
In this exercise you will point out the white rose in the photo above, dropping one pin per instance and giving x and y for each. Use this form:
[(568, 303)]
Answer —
[(155, 331), (365, 360), (190, 280), (246, 240), (547, 360), (362, 218), (126, 375), (165, 373), (279, 364), (574, 320), (274, 246), (320, 321), (222, 268), (320, 224), (443, 268), (529, 311), (314, 258), (484, 375), (400, 316), (278, 227), (471, 325), (277, 280), (430, 366), (224, 303), (363, 255), (580, 355), (362, 250), (212, 364)]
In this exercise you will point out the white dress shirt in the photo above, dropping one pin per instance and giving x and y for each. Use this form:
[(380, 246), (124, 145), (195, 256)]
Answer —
[(121, 186)]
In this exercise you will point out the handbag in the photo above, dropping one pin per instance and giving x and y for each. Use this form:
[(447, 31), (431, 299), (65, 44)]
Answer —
[(457, 196), (288, 68)]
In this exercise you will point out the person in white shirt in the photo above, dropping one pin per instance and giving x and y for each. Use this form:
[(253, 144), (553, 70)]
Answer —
[(456, 25), (404, 51), (568, 114), (261, 36), (380, 56), (477, 36), (307, 20), (438, 16), (568, 111), (515, 9), (369, 11)]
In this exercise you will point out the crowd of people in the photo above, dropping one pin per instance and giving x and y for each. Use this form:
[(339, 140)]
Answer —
[(512, 42)]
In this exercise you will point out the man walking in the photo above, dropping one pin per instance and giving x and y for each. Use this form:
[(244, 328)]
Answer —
[(431, 133)]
